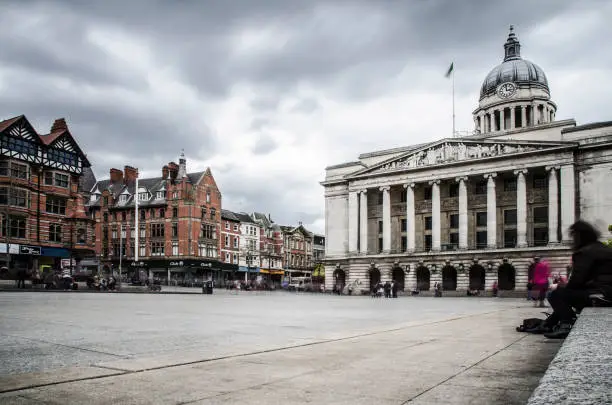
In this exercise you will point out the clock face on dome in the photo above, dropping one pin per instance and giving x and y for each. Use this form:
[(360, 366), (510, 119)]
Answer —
[(506, 90)]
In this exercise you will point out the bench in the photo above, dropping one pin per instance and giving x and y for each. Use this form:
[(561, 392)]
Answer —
[(581, 372)]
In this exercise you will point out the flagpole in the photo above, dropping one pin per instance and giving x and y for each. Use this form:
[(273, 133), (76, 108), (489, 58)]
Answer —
[(453, 73)]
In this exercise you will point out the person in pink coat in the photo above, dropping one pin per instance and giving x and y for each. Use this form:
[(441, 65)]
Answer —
[(541, 274)]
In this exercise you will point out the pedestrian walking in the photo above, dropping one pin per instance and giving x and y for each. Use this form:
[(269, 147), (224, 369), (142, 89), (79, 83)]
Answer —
[(541, 274)]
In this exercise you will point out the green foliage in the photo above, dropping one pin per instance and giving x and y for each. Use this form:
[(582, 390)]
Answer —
[(608, 242)]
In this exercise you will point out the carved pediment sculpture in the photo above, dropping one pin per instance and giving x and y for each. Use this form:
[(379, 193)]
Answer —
[(448, 152)]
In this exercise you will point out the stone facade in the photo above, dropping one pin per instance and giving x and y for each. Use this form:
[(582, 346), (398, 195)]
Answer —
[(471, 211)]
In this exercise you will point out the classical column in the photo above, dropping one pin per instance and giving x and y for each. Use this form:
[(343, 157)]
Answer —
[(410, 218), (435, 215), (512, 117), (534, 113), (386, 218), (501, 120), (363, 221), (353, 221), (491, 211), (483, 122), (568, 208), (463, 213), (521, 208), (523, 116), (553, 205)]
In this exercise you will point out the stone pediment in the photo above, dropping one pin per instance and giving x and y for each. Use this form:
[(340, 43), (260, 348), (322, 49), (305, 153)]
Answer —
[(456, 151)]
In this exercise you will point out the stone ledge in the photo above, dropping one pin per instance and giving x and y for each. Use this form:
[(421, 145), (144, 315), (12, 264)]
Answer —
[(581, 372)]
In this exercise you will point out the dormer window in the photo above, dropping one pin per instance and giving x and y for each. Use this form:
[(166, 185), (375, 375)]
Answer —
[(93, 198), (143, 196), (160, 195), (123, 198)]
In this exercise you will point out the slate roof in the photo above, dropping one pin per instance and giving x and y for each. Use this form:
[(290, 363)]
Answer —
[(291, 229), (262, 219), (229, 215), (244, 217), (87, 179), (8, 122), (152, 185)]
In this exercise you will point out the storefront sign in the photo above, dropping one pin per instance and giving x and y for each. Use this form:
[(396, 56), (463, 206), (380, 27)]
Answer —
[(68, 263), (13, 248), (29, 250), (185, 263)]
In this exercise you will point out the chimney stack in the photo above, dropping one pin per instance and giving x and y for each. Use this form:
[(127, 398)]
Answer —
[(59, 125), (129, 174), (165, 171), (173, 169), (116, 176)]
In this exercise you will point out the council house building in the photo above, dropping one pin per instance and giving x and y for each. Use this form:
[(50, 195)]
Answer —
[(470, 211)]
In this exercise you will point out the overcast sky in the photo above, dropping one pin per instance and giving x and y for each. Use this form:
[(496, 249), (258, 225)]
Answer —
[(269, 92)]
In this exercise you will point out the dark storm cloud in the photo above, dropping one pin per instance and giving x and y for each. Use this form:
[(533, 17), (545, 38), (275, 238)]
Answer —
[(105, 129), (348, 49)]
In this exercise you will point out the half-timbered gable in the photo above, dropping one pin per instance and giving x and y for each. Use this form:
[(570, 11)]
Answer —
[(18, 140), (61, 150)]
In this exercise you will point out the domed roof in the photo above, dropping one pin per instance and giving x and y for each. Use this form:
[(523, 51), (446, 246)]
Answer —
[(514, 69)]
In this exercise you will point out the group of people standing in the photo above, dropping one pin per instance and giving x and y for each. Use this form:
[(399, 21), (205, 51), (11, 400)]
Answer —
[(389, 289)]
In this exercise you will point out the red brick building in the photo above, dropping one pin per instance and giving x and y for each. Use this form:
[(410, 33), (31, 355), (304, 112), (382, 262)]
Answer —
[(43, 219), (298, 250), (179, 224), (230, 237)]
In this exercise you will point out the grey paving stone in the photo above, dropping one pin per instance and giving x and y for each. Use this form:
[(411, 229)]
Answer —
[(581, 372)]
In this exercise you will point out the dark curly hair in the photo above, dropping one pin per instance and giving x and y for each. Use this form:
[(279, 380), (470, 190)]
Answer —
[(583, 234)]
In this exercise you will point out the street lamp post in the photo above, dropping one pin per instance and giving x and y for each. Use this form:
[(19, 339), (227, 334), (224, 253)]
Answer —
[(120, 249)]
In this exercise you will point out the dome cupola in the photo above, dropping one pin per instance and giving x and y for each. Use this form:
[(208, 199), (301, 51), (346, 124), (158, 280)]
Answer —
[(514, 94), (514, 69)]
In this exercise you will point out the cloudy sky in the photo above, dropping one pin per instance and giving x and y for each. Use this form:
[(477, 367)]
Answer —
[(270, 92)]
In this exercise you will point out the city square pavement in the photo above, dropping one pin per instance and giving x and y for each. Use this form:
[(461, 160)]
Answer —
[(265, 348)]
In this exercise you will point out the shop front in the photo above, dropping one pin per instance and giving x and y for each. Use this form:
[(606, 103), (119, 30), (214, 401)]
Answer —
[(183, 272), (273, 277), (249, 273), (9, 270)]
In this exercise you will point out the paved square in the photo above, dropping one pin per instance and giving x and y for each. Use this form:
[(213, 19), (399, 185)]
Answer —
[(265, 348)]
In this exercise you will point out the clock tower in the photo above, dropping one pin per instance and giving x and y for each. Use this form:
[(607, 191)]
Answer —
[(514, 95)]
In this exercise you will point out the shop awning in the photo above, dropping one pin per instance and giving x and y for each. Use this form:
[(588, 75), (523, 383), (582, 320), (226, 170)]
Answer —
[(54, 252), (272, 271)]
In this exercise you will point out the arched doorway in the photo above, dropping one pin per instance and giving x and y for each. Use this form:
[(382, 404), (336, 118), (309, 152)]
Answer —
[(422, 274), (449, 278), (397, 275), (506, 277), (339, 279), (374, 277), (477, 277)]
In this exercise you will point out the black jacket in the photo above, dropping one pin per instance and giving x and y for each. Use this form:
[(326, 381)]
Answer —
[(592, 269)]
